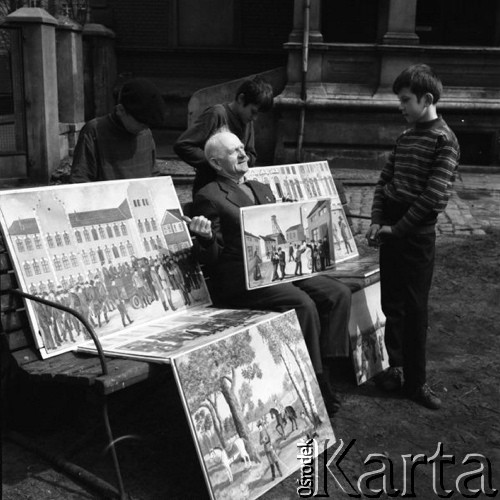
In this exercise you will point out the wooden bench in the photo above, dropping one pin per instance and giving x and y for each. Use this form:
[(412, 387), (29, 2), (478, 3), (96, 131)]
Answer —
[(103, 376)]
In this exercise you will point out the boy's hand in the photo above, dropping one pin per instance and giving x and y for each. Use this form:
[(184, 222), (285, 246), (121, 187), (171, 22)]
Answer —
[(372, 235), (199, 225)]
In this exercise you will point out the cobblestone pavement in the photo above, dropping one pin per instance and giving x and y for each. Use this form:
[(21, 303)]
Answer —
[(473, 207)]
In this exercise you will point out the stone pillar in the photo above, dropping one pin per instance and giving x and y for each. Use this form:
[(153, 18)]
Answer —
[(70, 71), (401, 16), (40, 89), (99, 60), (297, 33)]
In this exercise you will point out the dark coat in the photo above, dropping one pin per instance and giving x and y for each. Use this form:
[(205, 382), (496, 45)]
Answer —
[(220, 201)]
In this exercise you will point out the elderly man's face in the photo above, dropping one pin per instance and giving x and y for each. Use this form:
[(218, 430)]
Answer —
[(233, 161)]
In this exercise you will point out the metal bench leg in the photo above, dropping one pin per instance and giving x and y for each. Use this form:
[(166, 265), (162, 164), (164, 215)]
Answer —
[(111, 446)]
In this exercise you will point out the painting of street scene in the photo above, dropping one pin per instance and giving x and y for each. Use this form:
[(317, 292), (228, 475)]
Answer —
[(297, 181), (170, 336), (290, 241), (366, 330), (250, 399), (117, 252)]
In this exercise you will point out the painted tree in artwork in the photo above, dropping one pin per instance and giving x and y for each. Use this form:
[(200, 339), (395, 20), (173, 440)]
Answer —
[(283, 336), (213, 371)]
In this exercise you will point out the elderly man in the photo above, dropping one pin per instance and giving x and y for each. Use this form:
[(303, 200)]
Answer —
[(322, 303)]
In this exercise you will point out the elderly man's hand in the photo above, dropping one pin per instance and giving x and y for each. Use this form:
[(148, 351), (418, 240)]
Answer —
[(199, 226), (372, 235)]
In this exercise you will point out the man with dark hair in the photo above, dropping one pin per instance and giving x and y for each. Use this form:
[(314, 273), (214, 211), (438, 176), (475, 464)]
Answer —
[(237, 116), (120, 145)]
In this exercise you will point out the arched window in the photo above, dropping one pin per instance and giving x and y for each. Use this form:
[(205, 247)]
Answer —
[(72, 281), (28, 243), (152, 243), (64, 282), (93, 256), (109, 231), (65, 261), (94, 234), (74, 260), (78, 237), (140, 226), (27, 269), (124, 229), (154, 225), (115, 252), (20, 245), (146, 245), (147, 225), (159, 243), (66, 239), (38, 243), (59, 241), (123, 250), (116, 229), (130, 248), (50, 241), (102, 233), (45, 265), (86, 234), (32, 289), (107, 251), (36, 267)]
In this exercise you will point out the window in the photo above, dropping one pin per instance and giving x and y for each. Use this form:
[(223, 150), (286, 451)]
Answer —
[(154, 225), (159, 243), (66, 239), (74, 260), (38, 243), (115, 252), (57, 263), (93, 256), (85, 257), (140, 226), (167, 228), (64, 282), (59, 241), (86, 234), (147, 225), (78, 237), (124, 229), (130, 248), (65, 261), (152, 243), (45, 265), (27, 269), (116, 229), (72, 281), (146, 245), (102, 234), (109, 231), (36, 267), (29, 244), (123, 250), (94, 234), (50, 241), (107, 251), (20, 245)]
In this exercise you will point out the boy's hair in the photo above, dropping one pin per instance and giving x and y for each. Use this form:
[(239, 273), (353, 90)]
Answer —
[(420, 79), (256, 91)]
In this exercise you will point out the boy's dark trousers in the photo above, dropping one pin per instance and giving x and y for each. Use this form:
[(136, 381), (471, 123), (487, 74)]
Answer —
[(406, 268)]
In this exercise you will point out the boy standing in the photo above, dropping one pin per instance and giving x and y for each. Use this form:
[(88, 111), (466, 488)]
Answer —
[(253, 95), (413, 188)]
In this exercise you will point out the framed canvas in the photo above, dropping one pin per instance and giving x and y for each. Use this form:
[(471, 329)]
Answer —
[(297, 181), (118, 252), (366, 330), (289, 241), (160, 340), (251, 398)]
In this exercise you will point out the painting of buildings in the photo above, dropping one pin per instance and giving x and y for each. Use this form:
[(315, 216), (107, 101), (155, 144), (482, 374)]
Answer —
[(117, 253)]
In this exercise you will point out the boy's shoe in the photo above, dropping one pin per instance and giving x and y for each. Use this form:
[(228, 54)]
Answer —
[(390, 380), (425, 396)]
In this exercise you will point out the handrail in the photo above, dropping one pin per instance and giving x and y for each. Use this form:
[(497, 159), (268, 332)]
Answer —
[(56, 305)]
